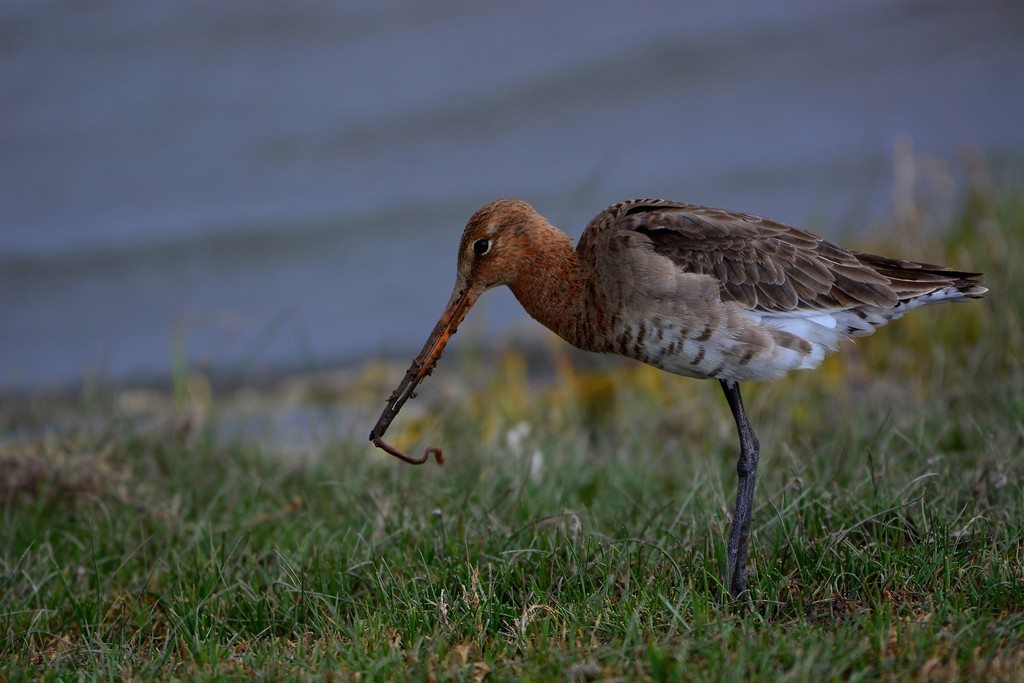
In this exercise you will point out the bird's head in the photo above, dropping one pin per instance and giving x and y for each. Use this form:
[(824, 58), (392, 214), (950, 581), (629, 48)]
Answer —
[(495, 245)]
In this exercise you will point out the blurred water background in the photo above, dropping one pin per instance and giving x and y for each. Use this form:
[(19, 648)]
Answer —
[(253, 187)]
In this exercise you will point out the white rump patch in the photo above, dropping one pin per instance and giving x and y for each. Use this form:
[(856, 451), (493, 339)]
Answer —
[(825, 320)]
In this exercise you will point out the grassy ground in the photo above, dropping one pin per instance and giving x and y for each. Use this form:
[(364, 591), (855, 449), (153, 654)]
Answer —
[(576, 532)]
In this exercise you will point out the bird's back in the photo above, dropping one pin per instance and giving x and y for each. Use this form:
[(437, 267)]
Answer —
[(711, 293)]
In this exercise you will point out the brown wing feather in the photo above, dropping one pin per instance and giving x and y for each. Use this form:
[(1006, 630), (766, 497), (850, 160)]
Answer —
[(770, 266)]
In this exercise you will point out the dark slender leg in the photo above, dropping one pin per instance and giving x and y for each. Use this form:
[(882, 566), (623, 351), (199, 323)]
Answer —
[(746, 468)]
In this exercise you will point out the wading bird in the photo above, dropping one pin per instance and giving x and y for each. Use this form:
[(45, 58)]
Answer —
[(696, 291)]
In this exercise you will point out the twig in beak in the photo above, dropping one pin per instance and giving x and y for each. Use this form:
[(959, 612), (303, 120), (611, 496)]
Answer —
[(401, 455), (422, 366)]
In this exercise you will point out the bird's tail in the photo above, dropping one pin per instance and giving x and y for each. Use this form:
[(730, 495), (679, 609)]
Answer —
[(925, 283)]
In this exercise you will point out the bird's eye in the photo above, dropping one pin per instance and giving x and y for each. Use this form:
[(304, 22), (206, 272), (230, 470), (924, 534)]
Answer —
[(481, 247)]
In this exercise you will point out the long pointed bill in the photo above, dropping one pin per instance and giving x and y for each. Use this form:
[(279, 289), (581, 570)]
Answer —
[(462, 300)]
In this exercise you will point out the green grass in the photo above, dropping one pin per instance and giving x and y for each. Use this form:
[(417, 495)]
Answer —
[(576, 531)]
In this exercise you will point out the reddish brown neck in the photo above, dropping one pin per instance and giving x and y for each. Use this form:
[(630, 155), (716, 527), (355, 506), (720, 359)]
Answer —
[(549, 283)]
